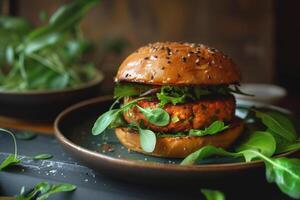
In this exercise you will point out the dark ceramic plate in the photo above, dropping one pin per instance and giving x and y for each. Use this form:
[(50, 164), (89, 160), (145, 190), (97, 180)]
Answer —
[(105, 154), (46, 105)]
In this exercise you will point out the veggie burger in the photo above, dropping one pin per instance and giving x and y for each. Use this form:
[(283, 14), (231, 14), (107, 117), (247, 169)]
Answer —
[(175, 98)]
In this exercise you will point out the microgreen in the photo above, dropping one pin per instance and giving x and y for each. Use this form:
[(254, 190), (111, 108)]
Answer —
[(109, 117), (172, 95), (147, 139), (156, 116), (214, 128)]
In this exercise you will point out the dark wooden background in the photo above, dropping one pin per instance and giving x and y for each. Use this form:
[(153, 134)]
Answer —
[(261, 36)]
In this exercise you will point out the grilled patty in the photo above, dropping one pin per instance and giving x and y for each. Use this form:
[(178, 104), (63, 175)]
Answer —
[(194, 115)]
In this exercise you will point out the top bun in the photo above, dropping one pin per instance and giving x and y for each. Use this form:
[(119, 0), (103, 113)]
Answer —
[(173, 63)]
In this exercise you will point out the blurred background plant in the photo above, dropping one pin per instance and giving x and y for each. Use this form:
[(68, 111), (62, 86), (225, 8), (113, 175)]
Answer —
[(45, 57), (52, 55)]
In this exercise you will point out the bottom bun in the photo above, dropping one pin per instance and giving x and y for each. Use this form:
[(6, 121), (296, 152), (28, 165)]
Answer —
[(180, 147)]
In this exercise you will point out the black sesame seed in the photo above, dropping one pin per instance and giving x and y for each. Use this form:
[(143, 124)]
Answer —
[(146, 58), (152, 77), (169, 62), (163, 68), (169, 52), (183, 59)]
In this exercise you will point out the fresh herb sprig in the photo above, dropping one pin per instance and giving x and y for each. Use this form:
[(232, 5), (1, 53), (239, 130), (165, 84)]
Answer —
[(13, 159)]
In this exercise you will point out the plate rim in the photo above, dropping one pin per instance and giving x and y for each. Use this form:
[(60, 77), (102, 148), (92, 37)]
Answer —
[(144, 164)]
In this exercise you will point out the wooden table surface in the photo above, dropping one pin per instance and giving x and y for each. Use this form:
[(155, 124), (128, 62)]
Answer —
[(40, 127)]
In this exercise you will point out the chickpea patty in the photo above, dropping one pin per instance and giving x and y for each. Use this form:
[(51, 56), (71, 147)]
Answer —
[(183, 117)]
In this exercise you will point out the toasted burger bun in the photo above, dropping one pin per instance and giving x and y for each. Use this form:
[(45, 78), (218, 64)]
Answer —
[(173, 63), (180, 147)]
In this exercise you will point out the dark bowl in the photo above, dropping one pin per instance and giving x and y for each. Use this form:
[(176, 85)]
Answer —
[(72, 129), (46, 105)]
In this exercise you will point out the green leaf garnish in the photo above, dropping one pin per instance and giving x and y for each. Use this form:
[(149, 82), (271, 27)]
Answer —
[(205, 152), (147, 139), (112, 117), (213, 194), (214, 128), (43, 156), (156, 116), (130, 90), (104, 121), (285, 173), (172, 95), (261, 141), (278, 124)]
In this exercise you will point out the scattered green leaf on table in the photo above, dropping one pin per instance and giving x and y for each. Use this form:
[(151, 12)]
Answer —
[(42, 157), (25, 136), (44, 190), (9, 161), (213, 194), (62, 187)]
